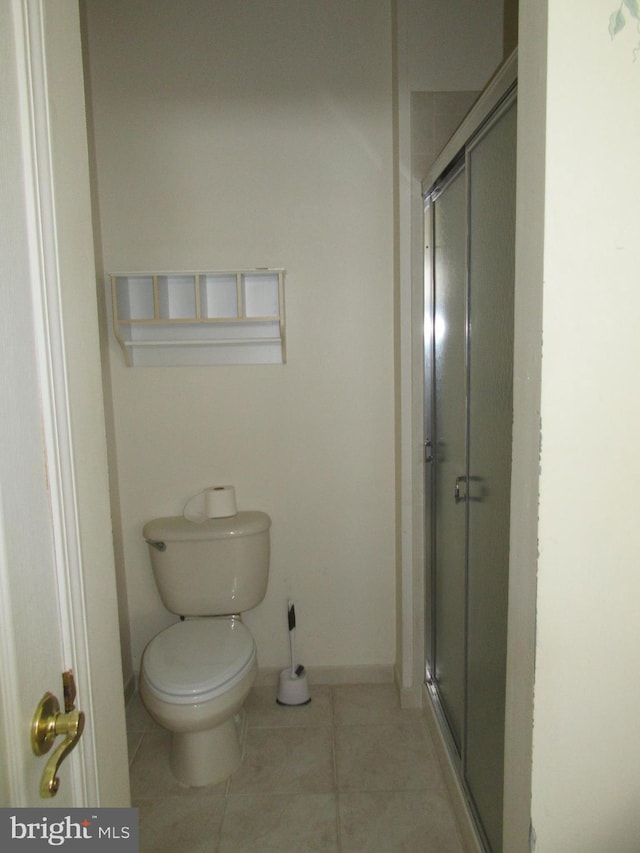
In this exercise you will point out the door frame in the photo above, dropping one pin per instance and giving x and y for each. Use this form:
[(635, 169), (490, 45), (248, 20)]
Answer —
[(81, 529)]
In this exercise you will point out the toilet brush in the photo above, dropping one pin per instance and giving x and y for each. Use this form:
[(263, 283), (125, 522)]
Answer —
[(295, 671), (293, 688)]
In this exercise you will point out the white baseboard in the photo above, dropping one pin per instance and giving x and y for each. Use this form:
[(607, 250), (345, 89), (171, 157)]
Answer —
[(410, 697), (376, 674), (268, 676)]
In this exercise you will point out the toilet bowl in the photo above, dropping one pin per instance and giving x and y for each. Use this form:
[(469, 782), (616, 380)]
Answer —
[(196, 674), (194, 679)]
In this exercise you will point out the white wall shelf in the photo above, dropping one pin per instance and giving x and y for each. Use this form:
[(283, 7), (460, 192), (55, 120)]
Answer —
[(199, 318)]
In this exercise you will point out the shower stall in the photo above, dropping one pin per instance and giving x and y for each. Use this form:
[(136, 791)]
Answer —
[(469, 284)]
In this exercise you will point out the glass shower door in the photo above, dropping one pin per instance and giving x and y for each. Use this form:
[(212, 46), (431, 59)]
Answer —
[(450, 451), (469, 390)]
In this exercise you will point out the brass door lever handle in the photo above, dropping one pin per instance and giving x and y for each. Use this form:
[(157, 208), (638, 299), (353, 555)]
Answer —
[(48, 724)]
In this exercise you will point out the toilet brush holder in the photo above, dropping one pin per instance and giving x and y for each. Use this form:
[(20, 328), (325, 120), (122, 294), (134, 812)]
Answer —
[(293, 689)]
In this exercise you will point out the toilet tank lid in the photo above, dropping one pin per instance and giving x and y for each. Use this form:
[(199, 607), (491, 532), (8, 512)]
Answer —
[(178, 529)]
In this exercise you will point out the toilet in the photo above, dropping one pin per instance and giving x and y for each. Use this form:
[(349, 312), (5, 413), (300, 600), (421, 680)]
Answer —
[(196, 674)]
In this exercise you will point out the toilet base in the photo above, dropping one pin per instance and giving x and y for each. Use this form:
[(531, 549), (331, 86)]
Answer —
[(208, 757)]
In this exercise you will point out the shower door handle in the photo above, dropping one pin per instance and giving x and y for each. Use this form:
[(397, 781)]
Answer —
[(460, 490), (465, 490)]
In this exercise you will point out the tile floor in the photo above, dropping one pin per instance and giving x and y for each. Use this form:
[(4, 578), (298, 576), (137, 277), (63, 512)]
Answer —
[(350, 771)]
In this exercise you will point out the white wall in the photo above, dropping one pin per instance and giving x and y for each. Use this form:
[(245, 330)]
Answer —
[(523, 557), (239, 135), (586, 739), (452, 47)]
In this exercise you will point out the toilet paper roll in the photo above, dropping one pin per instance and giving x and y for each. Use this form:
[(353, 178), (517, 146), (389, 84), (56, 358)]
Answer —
[(220, 502)]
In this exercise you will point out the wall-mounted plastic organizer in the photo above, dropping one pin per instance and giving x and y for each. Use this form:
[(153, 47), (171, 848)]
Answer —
[(200, 318)]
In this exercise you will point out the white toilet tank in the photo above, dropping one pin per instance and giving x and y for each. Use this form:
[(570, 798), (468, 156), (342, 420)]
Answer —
[(216, 568)]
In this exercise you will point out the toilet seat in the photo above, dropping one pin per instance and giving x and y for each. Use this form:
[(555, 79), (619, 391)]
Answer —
[(196, 660)]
